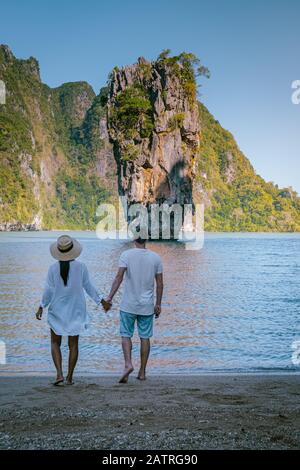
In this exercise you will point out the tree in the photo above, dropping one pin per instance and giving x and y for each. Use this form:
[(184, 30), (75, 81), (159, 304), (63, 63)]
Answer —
[(164, 54)]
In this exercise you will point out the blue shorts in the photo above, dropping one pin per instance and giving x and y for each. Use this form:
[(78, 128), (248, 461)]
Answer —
[(144, 324)]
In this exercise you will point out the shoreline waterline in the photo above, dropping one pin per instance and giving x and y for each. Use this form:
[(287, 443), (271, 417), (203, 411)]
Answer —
[(234, 373)]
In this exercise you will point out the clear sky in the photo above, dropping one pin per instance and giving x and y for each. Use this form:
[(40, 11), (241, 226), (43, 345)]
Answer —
[(251, 48)]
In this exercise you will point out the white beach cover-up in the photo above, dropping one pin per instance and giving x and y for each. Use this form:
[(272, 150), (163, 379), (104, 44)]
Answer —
[(67, 314)]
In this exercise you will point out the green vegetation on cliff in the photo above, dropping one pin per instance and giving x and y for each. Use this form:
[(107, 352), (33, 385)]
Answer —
[(237, 199), (49, 141), (186, 66), (132, 113)]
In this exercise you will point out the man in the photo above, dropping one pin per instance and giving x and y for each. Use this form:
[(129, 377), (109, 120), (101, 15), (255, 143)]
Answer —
[(140, 267)]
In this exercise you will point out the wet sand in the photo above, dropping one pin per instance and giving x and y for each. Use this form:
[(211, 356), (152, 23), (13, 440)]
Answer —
[(171, 412)]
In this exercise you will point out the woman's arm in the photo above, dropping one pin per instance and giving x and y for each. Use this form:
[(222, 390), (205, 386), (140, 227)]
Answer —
[(47, 295), (48, 290)]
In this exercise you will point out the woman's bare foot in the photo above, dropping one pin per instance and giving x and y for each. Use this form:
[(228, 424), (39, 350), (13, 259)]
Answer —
[(126, 373), (59, 380)]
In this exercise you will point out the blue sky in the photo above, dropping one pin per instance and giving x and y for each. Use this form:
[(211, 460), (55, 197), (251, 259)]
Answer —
[(251, 48)]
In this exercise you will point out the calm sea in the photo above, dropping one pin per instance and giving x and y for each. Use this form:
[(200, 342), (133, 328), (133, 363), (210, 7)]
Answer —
[(232, 306)]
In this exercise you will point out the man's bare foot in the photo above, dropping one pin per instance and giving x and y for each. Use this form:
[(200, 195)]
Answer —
[(126, 373), (141, 376), (69, 381)]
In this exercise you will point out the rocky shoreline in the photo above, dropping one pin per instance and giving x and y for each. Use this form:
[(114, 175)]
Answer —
[(19, 227)]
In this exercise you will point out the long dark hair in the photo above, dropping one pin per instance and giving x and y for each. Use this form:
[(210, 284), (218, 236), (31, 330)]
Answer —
[(64, 271)]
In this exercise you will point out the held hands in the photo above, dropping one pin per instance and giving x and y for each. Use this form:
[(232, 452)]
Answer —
[(39, 313), (157, 310), (106, 304)]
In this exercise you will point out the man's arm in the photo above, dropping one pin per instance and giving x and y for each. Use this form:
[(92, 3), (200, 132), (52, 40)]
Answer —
[(159, 293), (116, 284)]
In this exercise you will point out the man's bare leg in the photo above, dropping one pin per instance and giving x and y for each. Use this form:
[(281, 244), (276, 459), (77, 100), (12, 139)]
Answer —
[(145, 351), (73, 356), (56, 356), (127, 348)]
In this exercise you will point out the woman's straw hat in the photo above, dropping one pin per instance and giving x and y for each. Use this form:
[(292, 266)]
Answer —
[(65, 248)]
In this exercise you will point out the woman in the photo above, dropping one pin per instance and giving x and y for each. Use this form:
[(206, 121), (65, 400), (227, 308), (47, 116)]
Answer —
[(64, 295)]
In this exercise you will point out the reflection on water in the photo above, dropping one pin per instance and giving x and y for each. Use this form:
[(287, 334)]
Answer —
[(234, 305)]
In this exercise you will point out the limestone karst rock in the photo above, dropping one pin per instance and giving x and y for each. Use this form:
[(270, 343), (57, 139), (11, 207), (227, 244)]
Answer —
[(156, 158)]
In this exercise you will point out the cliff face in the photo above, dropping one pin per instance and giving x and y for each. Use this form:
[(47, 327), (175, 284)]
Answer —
[(54, 151), (63, 151), (156, 147)]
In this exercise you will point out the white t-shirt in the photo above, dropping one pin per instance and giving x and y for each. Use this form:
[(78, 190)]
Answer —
[(141, 267)]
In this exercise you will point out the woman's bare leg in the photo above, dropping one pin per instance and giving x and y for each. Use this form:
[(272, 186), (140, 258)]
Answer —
[(73, 356), (56, 354)]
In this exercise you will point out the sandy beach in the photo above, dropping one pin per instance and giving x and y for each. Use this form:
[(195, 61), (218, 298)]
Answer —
[(171, 412)]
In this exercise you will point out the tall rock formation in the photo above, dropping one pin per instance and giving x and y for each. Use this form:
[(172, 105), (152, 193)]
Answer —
[(154, 126), (153, 122)]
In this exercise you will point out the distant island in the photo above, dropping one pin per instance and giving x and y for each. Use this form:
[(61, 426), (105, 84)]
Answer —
[(65, 150)]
